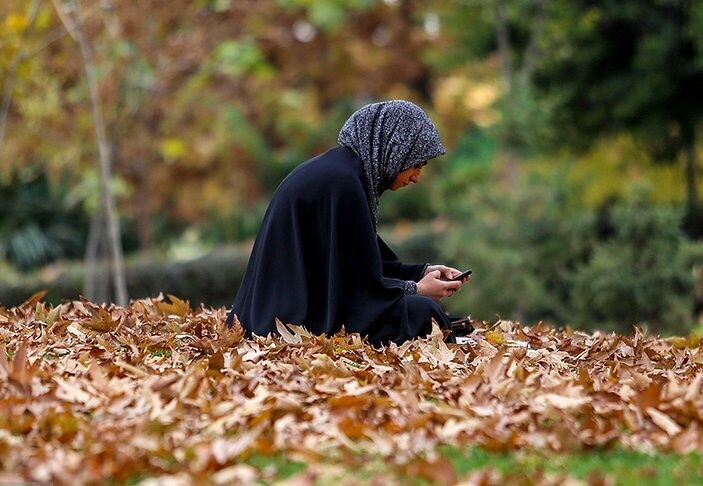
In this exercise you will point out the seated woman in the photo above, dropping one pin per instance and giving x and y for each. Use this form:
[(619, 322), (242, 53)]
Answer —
[(317, 260)]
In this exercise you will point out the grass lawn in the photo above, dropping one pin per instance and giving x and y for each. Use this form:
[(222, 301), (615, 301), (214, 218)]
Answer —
[(477, 465)]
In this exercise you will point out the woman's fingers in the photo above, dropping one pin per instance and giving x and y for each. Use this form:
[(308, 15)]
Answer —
[(444, 288), (441, 274), (452, 285), (450, 272), (450, 288)]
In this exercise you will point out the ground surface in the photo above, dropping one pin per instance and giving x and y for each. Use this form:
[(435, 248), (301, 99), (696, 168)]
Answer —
[(163, 392)]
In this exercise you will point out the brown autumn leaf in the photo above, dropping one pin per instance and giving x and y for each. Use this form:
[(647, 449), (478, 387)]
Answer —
[(33, 300), (439, 471), (664, 421), (101, 321), (112, 401), (178, 307)]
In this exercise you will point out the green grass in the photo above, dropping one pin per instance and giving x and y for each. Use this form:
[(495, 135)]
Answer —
[(282, 466), (625, 467)]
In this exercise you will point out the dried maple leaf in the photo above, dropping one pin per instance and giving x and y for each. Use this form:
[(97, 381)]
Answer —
[(145, 390), (178, 307)]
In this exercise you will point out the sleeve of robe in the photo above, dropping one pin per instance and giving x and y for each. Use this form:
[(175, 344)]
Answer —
[(394, 268), (368, 280)]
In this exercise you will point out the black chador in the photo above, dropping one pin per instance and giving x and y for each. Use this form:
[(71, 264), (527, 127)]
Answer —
[(317, 260)]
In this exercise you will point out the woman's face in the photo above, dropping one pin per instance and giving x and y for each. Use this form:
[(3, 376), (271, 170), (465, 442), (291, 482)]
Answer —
[(408, 176)]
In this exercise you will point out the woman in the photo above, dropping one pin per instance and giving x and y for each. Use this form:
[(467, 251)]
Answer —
[(317, 260)]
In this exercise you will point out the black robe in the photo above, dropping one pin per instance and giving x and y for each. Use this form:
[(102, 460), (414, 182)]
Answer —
[(318, 262)]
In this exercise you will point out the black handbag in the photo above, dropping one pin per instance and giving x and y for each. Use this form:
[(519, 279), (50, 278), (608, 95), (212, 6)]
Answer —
[(458, 328)]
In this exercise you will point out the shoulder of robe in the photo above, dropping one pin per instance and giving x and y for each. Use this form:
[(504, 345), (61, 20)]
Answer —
[(335, 172)]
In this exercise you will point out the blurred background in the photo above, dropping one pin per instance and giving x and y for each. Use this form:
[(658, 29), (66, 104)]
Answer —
[(140, 143)]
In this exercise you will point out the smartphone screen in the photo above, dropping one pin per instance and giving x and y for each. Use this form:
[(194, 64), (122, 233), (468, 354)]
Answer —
[(465, 274)]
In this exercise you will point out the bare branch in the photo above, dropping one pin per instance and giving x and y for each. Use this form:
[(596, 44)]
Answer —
[(57, 36), (532, 50), (504, 48), (59, 33), (104, 152), (65, 18)]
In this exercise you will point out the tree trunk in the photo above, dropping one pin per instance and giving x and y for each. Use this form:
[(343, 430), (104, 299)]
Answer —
[(96, 286), (72, 22), (504, 48), (91, 255), (145, 232), (691, 188), (532, 49), (693, 221)]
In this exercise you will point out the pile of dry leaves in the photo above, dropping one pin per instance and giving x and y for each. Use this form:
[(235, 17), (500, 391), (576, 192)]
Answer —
[(90, 392)]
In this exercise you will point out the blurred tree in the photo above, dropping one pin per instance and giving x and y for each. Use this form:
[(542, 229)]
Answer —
[(627, 65), (523, 247), (640, 275), (539, 254), (506, 37), (208, 104)]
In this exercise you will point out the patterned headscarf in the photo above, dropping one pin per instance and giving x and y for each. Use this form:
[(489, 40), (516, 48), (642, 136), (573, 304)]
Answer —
[(389, 137)]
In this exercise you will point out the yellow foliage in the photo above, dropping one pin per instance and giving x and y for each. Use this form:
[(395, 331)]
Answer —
[(475, 97), (215, 194), (173, 148), (614, 166), (43, 20), (495, 337), (15, 23), (467, 96), (692, 341)]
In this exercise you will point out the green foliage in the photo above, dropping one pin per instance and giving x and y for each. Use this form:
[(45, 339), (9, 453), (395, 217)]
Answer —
[(39, 224), (627, 65), (641, 274), (466, 168), (522, 245), (327, 14), (234, 58), (524, 118), (209, 106), (538, 254), (413, 203), (243, 223)]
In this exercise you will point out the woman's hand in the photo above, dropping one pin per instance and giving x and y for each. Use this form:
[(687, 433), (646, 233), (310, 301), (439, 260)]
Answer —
[(435, 287), (447, 273)]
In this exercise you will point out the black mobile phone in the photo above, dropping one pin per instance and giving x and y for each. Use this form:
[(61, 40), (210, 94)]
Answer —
[(460, 277)]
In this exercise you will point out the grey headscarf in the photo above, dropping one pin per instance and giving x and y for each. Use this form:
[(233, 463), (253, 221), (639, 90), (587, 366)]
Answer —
[(389, 137)]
